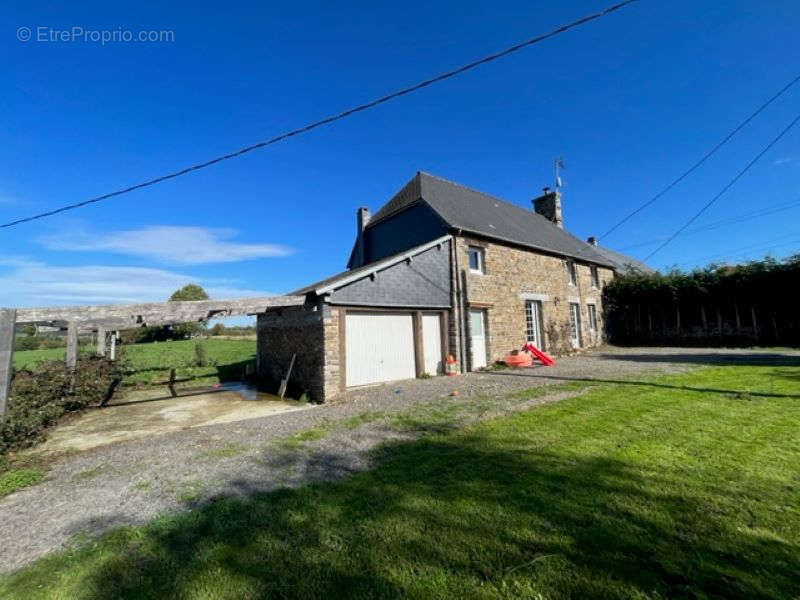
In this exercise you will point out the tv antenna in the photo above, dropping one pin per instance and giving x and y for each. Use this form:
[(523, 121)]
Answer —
[(558, 165)]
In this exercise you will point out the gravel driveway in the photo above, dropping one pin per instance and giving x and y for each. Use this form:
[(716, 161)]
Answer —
[(131, 482)]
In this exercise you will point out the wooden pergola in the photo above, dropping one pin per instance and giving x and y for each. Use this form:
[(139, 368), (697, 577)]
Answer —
[(110, 319)]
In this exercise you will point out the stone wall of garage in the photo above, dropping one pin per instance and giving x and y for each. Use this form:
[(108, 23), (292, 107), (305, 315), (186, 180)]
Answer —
[(514, 275)]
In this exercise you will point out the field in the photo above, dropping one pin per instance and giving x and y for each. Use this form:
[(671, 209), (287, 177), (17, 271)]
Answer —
[(150, 363), (680, 486)]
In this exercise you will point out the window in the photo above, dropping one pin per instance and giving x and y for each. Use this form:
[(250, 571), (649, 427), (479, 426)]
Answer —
[(575, 324), (533, 323), (592, 310), (570, 266), (595, 278), (476, 261)]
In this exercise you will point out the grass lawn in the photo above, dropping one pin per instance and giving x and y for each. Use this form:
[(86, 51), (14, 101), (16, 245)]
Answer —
[(150, 363), (682, 486)]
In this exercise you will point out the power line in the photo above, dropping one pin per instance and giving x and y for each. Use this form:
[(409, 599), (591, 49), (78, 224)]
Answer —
[(328, 120), (728, 186), (742, 218), (703, 159)]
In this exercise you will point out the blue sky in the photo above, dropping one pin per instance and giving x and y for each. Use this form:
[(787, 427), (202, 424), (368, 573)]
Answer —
[(629, 102)]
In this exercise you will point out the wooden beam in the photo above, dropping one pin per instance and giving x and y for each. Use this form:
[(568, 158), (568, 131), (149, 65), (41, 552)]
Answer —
[(72, 346), (112, 353), (127, 316), (7, 322), (101, 341)]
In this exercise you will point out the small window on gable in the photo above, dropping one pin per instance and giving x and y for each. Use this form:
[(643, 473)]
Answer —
[(595, 278), (570, 266), (476, 256)]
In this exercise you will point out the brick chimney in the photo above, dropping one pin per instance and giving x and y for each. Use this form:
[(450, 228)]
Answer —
[(549, 206), (362, 220), (591, 240)]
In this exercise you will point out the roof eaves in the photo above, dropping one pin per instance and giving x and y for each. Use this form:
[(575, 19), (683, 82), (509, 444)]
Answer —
[(599, 260)]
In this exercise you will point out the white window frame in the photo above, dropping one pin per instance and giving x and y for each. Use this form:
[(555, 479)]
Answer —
[(480, 253), (591, 312), (575, 325), (572, 273), (595, 277)]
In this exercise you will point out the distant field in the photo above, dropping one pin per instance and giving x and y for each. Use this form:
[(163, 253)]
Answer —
[(150, 363)]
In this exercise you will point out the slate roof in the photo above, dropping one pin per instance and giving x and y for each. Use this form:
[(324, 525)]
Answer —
[(373, 267), (622, 262), (475, 212)]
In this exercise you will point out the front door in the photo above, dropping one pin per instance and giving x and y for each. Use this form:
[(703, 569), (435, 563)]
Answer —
[(533, 323), (575, 324), (477, 330)]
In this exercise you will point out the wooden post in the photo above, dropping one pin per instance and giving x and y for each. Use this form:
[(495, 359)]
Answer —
[(419, 360), (101, 341), (171, 383), (8, 318), (72, 345), (112, 354)]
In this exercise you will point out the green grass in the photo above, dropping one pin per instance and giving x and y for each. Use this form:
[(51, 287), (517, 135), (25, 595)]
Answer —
[(685, 486), (16, 479), (222, 452), (150, 363)]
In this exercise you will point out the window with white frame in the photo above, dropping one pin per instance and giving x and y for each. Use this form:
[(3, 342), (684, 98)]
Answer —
[(592, 311), (476, 259), (570, 266), (595, 277)]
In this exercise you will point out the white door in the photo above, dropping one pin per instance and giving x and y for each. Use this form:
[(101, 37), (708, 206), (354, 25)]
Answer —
[(379, 347), (533, 323), (575, 324), (477, 331), (432, 343)]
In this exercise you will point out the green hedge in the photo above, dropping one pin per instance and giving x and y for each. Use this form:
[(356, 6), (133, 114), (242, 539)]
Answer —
[(41, 396), (748, 304)]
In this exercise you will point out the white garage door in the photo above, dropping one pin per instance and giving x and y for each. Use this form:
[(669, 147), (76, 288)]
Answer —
[(379, 347)]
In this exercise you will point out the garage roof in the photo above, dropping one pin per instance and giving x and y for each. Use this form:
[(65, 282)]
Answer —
[(330, 284)]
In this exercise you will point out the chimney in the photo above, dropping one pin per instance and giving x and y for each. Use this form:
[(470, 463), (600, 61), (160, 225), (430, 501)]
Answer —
[(549, 206), (362, 220), (591, 240)]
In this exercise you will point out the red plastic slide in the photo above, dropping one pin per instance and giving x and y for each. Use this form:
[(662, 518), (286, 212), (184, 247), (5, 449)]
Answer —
[(546, 360)]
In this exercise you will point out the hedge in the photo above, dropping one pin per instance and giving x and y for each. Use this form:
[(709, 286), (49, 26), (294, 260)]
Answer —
[(40, 397), (748, 304)]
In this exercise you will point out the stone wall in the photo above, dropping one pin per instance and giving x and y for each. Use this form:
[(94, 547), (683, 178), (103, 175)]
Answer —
[(310, 333), (514, 275)]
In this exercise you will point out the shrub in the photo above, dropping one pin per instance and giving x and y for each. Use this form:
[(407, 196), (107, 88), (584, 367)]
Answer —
[(217, 329), (38, 398)]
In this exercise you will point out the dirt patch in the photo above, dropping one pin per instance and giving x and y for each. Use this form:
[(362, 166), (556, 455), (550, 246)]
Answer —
[(141, 415)]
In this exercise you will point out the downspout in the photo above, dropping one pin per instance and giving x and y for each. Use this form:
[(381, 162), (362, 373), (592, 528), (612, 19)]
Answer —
[(460, 322)]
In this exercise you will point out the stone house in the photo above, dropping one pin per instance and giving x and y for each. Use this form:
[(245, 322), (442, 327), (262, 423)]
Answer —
[(440, 270)]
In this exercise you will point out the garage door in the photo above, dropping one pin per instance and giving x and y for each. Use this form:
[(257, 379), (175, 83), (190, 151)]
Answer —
[(379, 347)]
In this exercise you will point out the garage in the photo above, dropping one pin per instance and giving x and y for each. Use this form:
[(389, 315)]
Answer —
[(379, 347), (382, 322)]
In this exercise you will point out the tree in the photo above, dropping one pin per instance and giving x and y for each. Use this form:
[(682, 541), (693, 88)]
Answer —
[(190, 291)]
